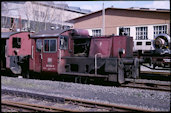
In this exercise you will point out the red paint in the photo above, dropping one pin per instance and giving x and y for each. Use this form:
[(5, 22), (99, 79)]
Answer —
[(50, 61), (25, 44), (100, 45), (122, 42), (110, 46)]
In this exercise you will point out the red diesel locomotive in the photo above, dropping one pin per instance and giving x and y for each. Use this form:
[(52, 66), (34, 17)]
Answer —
[(71, 52), (15, 50), (74, 52)]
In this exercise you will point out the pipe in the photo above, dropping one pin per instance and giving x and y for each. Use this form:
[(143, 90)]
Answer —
[(103, 21)]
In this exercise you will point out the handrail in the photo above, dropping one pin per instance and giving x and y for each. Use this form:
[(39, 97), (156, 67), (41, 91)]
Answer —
[(96, 62), (41, 55), (59, 61), (59, 55), (32, 48), (5, 51)]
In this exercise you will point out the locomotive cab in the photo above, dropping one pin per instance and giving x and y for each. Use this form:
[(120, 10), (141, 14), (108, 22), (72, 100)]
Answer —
[(17, 51), (81, 46)]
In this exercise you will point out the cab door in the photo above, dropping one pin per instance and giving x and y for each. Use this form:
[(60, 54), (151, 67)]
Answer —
[(49, 55), (62, 52), (38, 55)]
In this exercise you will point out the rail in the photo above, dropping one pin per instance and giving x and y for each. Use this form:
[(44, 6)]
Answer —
[(35, 107), (148, 84), (89, 105)]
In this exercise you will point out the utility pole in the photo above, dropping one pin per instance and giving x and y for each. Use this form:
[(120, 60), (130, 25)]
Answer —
[(103, 20)]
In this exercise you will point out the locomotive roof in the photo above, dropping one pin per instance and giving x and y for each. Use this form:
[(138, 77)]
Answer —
[(8, 34), (47, 33)]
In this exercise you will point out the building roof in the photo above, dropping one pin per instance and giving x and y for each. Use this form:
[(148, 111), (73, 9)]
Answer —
[(64, 7), (59, 6), (128, 9), (78, 9)]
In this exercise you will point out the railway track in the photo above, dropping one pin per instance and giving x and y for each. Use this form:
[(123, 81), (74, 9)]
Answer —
[(146, 69), (37, 102), (148, 84)]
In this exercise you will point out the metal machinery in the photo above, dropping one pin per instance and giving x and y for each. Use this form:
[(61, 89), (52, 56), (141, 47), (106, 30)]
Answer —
[(162, 52), (160, 55)]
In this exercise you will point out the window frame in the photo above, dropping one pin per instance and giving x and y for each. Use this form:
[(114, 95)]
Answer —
[(139, 43), (49, 46), (127, 30), (157, 30), (66, 42), (41, 45), (141, 31), (99, 34)]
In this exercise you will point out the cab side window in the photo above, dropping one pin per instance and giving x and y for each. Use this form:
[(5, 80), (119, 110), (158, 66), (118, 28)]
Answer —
[(63, 42), (16, 42), (38, 45)]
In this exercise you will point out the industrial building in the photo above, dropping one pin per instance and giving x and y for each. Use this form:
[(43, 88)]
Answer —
[(37, 15), (143, 24)]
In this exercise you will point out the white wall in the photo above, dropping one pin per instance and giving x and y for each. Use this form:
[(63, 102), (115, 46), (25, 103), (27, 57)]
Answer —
[(150, 36)]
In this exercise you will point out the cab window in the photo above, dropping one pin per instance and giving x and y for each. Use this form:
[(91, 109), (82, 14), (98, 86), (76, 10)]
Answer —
[(63, 42), (16, 42), (50, 45), (38, 45)]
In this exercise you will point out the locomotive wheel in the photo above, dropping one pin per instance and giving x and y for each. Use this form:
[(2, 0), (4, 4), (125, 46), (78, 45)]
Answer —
[(77, 79), (27, 75), (154, 65), (83, 80)]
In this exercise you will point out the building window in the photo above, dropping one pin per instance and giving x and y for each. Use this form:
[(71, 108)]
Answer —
[(139, 43), (16, 42), (50, 45), (124, 31), (5, 22), (127, 31), (12, 22), (160, 30), (141, 33), (148, 43), (96, 32)]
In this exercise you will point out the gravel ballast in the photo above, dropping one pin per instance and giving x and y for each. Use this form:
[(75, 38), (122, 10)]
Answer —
[(156, 100)]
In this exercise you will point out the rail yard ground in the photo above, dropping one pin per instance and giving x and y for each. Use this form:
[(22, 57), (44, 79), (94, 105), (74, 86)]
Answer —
[(148, 69), (143, 98)]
